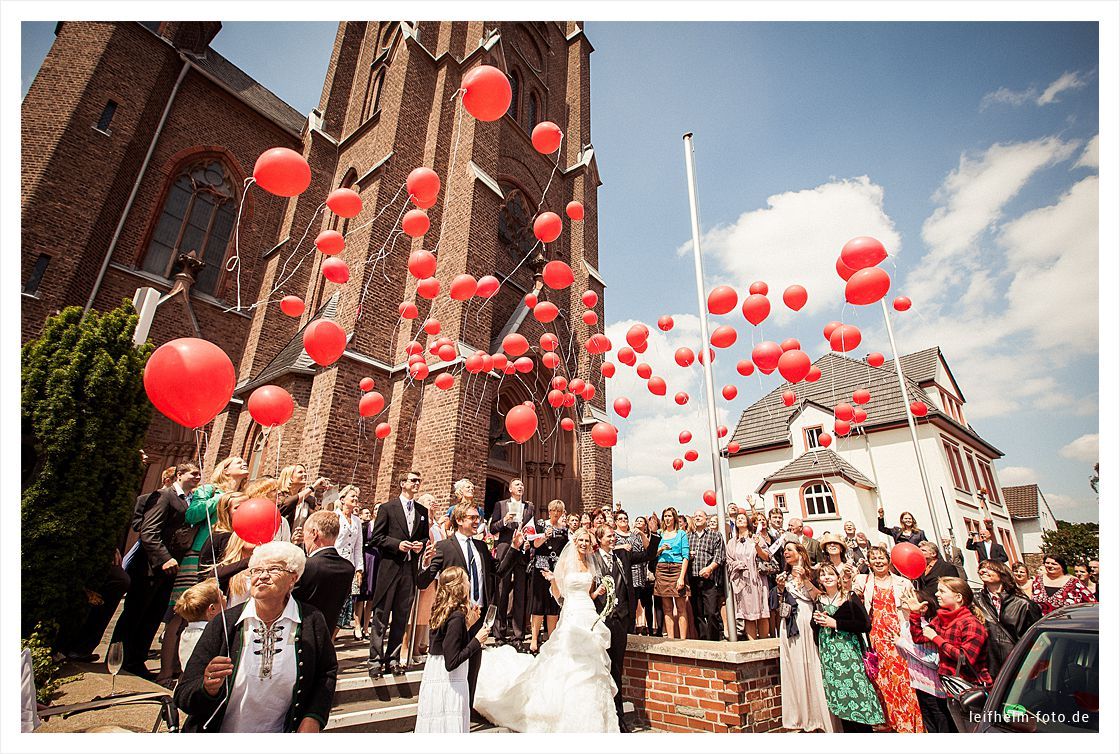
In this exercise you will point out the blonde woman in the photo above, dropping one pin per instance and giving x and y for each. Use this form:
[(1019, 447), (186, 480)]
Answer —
[(349, 546), (297, 499)]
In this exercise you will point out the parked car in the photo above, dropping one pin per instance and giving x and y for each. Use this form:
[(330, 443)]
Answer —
[(1049, 683)]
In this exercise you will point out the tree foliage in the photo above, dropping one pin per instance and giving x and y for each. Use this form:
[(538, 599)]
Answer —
[(84, 417), (1074, 542)]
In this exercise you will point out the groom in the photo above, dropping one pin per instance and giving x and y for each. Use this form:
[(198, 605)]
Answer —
[(616, 564)]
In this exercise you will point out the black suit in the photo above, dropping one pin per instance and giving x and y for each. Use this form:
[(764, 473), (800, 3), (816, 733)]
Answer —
[(325, 583), (395, 590), (511, 620), (620, 619), (996, 553), (150, 586)]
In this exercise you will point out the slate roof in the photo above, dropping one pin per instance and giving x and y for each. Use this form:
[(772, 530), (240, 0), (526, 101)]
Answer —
[(765, 423), (251, 91), (1022, 500), (291, 358), (813, 464)]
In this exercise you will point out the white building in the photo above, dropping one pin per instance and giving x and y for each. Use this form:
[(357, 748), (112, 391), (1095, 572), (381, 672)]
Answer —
[(780, 457), (1031, 514)]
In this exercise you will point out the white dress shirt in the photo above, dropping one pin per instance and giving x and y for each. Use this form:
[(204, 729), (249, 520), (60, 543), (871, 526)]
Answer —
[(470, 552), (265, 680)]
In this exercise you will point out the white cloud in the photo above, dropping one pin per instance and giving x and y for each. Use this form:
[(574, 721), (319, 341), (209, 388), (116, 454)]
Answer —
[(1013, 476), (1085, 448), (1073, 508), (1067, 81), (1091, 157), (1005, 96), (1064, 83), (796, 240)]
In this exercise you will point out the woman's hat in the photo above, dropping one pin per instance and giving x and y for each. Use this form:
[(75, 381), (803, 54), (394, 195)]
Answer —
[(831, 538)]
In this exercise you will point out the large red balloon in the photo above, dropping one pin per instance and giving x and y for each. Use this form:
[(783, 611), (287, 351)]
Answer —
[(293, 306), (415, 223), (423, 186), (549, 342), (908, 560), (530, 299), (408, 310), (422, 264), (330, 242), (825, 439), (428, 288), (841, 427), (344, 202), (691, 455), (524, 365), (366, 384), (875, 359), (574, 210), (684, 356), (444, 381), (567, 424), (550, 360), (189, 380), (547, 227), (463, 287), (282, 171), (486, 93), (709, 497), (371, 404), (858, 415), (795, 297), (497, 361), (766, 355), (756, 308), (521, 423), (546, 137), (722, 299), (324, 341), (270, 405), (733, 447), (256, 520), (867, 286), (807, 531), (431, 326), (488, 285), (546, 311), (622, 407), (794, 365), (589, 299), (830, 328), (555, 398), (845, 338), (791, 344), (605, 435), (589, 318), (861, 252), (335, 270), (665, 323), (515, 344), (745, 367), (724, 336), (557, 275), (656, 385)]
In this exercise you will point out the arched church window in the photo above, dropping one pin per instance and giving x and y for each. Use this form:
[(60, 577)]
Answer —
[(515, 87)]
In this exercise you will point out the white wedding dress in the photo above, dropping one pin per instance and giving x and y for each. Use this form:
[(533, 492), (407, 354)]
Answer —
[(567, 688)]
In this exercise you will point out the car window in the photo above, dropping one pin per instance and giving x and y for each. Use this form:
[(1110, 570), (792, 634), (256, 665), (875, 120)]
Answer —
[(1055, 688)]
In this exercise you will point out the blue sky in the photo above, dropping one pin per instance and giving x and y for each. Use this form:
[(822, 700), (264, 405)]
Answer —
[(969, 149)]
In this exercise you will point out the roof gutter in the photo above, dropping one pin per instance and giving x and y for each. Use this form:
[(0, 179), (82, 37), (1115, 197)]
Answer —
[(136, 185)]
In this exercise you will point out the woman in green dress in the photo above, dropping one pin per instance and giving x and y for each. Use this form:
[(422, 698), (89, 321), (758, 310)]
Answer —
[(839, 622)]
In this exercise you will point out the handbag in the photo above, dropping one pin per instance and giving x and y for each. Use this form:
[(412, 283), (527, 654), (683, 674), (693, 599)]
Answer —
[(955, 687), (870, 658)]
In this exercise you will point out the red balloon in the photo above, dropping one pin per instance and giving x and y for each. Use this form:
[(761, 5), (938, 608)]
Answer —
[(745, 367), (567, 424), (344, 202), (546, 311), (691, 455), (599, 343), (625, 355), (604, 435), (875, 359), (415, 223), (487, 286), (732, 447), (908, 560), (867, 286), (862, 252), (549, 342), (789, 397), (681, 398), (730, 392), (408, 310), (256, 520), (641, 347), (917, 408), (766, 355), (556, 398), (382, 431), (550, 360), (841, 427), (665, 323), (428, 288), (902, 303), (843, 270), (292, 306), (547, 227), (843, 411), (861, 396), (444, 381), (590, 318), (845, 338), (794, 365), (637, 335), (830, 328), (756, 308), (825, 439), (486, 93), (366, 384), (569, 400), (645, 371), (521, 423), (606, 369), (721, 431), (330, 242), (422, 264), (463, 287), (574, 210), (418, 370), (859, 416), (282, 172), (722, 299), (423, 187), (448, 352), (589, 392), (371, 404), (684, 356), (489, 363), (515, 344), (546, 137), (724, 336), (622, 407), (414, 349), (270, 405), (685, 437), (656, 385), (795, 297), (807, 531), (524, 365), (814, 374), (335, 270), (557, 275), (559, 383), (709, 497), (473, 363), (324, 342), (431, 326), (791, 344), (704, 355), (678, 464), (589, 299), (759, 287), (530, 300)]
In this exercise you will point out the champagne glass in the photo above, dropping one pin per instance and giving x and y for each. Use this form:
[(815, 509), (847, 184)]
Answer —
[(114, 659)]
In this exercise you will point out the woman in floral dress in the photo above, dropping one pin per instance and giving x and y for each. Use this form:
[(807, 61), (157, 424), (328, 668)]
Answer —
[(1054, 588), (744, 549)]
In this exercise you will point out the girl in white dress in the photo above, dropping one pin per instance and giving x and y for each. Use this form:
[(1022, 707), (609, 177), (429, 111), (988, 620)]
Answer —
[(568, 687)]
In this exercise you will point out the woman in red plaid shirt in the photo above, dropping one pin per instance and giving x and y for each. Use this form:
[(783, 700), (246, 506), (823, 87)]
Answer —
[(956, 631)]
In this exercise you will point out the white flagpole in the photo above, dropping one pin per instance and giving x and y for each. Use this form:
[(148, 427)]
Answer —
[(709, 388)]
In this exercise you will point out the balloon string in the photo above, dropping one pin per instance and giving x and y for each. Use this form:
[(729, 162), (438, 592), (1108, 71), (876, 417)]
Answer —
[(234, 263), (284, 278)]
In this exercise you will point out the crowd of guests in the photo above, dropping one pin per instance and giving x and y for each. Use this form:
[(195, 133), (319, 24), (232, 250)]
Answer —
[(249, 630)]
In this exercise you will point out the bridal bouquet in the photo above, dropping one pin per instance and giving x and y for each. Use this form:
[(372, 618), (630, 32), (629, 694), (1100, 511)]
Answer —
[(612, 600)]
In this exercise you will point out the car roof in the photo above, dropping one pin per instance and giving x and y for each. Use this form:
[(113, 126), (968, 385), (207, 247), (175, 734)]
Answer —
[(1082, 617)]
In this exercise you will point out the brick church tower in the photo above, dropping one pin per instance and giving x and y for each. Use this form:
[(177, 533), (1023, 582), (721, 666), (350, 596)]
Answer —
[(387, 107)]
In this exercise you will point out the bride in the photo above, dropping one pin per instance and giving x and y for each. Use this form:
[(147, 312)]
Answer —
[(568, 687)]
